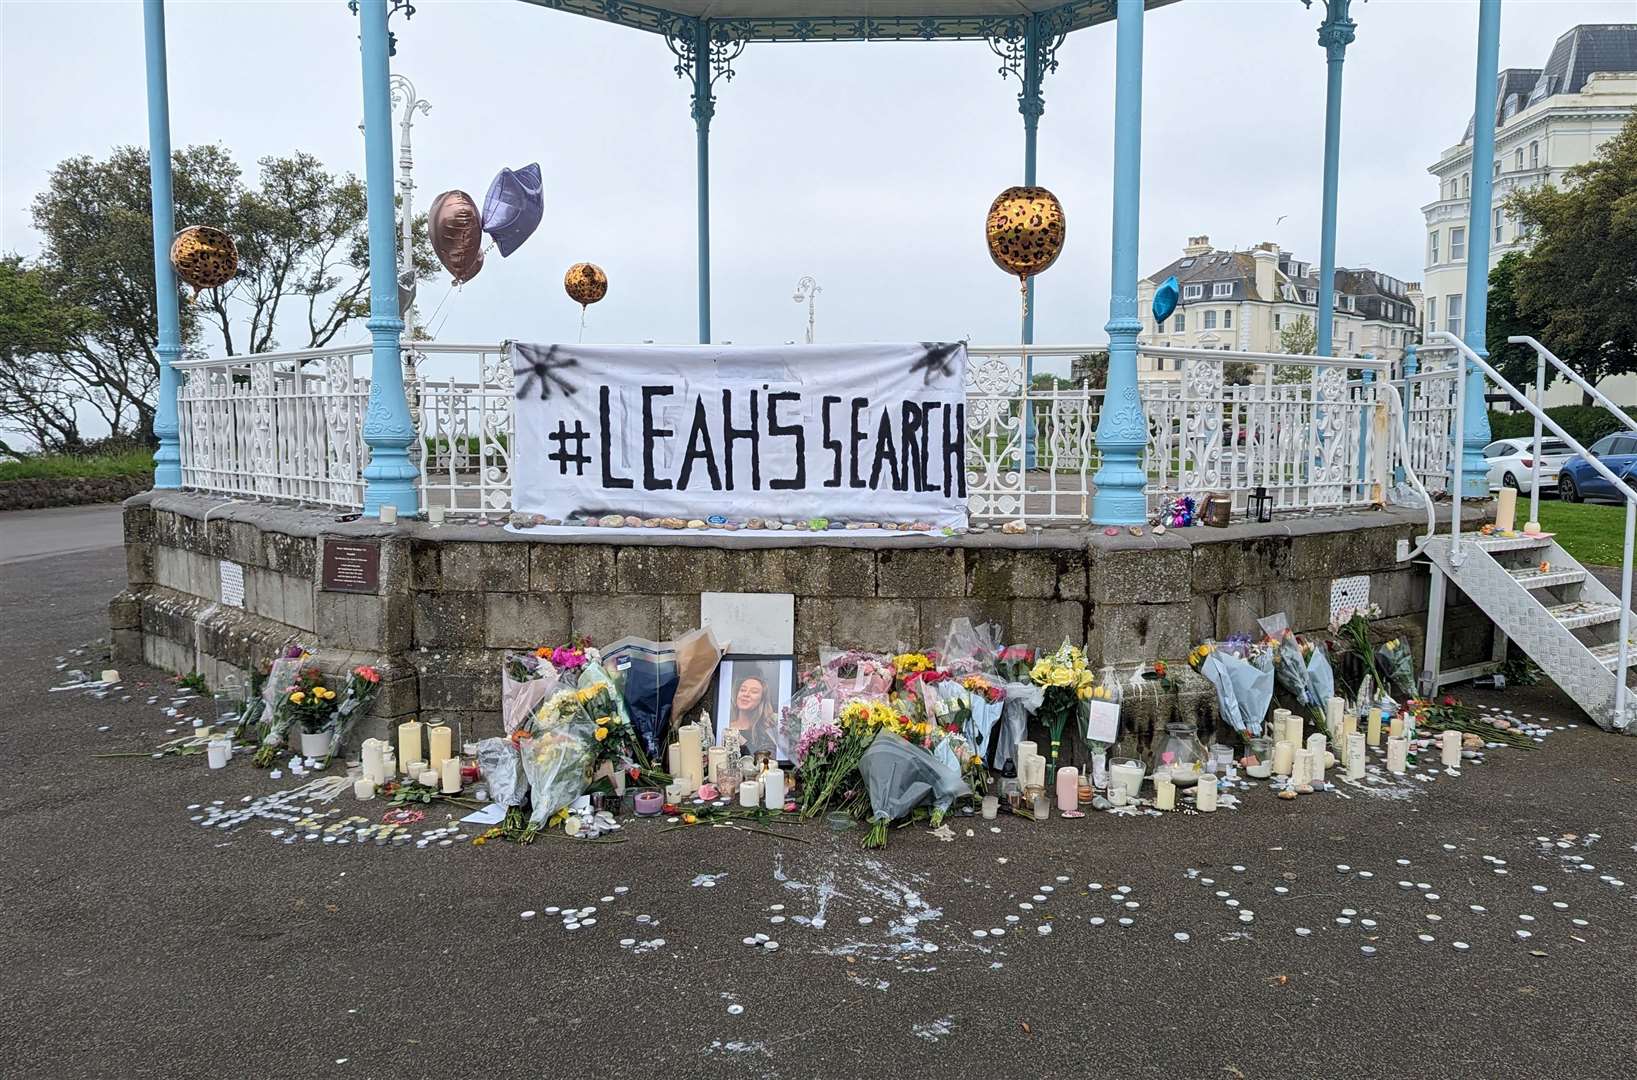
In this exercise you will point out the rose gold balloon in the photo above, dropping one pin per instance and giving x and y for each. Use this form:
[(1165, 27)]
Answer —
[(457, 234), (585, 283)]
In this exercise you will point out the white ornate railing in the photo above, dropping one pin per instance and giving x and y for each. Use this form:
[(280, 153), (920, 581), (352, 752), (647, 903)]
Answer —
[(1316, 432)]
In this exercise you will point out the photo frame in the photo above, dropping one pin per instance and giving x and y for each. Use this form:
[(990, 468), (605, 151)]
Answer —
[(752, 692)]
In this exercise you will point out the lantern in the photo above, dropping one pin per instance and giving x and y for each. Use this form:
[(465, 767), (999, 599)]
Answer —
[(1261, 505)]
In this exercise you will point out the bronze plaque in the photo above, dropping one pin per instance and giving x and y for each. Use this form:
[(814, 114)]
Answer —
[(351, 566)]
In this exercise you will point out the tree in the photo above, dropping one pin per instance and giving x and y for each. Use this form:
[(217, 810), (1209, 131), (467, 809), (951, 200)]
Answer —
[(1515, 362), (1298, 337), (1577, 288), (35, 332)]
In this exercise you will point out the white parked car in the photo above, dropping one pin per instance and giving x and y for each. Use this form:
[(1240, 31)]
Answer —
[(1511, 463)]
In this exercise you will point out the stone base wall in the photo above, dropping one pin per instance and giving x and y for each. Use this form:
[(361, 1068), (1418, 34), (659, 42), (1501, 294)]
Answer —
[(450, 601), (36, 493)]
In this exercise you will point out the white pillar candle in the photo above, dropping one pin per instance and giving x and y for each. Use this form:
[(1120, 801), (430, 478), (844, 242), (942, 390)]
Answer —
[(1025, 748), (374, 751), (750, 794), (389, 514), (1284, 756), (1372, 730), (1449, 749), (216, 753), (363, 789), (1506, 510), (718, 757), (389, 765), (1301, 769), (1317, 748), (773, 789), (451, 775), (1068, 789), (1355, 756), (429, 777), (1397, 755), (1205, 794), (673, 760), (1037, 772), (409, 744), (1165, 792), (440, 741), (1395, 726), (1333, 712), (690, 742)]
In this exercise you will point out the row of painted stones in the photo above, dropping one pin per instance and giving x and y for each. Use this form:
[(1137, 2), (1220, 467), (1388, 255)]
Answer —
[(631, 521)]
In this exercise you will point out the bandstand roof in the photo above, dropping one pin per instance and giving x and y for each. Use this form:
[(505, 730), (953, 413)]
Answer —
[(849, 20)]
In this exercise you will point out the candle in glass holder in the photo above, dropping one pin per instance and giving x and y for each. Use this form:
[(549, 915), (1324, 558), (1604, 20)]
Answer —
[(216, 753), (1042, 807), (440, 740), (414, 769), (649, 803), (1355, 756), (1117, 794), (718, 758), (1372, 730), (429, 777), (1084, 789), (991, 807), (1165, 792), (1284, 756), (1449, 749), (1068, 789), (363, 789), (389, 514), (750, 794), (409, 743), (773, 789), (450, 771), (1397, 755), (389, 765), (1205, 794), (1317, 746)]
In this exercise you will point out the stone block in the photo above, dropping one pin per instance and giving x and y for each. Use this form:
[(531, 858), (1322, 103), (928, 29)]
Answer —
[(298, 601), (264, 594), (1306, 603), (1138, 633), (1204, 608), (139, 563), (138, 524), (673, 570), (1399, 592), (937, 613), (297, 555), (170, 568), (882, 625), (374, 624), (1237, 612), (1264, 559), (1007, 573), (125, 612), (523, 620), (1216, 567), (920, 572), (449, 619), (572, 568), (492, 566), (191, 534), (1323, 555), (204, 576), (164, 527), (127, 646), (1048, 623), (605, 618), (677, 616), (1141, 575)]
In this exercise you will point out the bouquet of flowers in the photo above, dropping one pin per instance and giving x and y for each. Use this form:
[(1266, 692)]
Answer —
[(899, 776), (527, 679), (293, 703), (1351, 626), (267, 686), (1393, 659), (836, 772), (985, 698), (1014, 662), (1243, 678), (1023, 699), (1067, 684), (850, 674), (617, 743), (556, 747), (360, 689), (815, 754), (1304, 671)]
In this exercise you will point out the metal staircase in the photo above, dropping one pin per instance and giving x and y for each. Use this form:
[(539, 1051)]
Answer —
[(1535, 593)]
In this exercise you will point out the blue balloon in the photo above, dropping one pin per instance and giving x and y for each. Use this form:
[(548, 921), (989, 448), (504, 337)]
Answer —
[(1165, 299), (513, 207)]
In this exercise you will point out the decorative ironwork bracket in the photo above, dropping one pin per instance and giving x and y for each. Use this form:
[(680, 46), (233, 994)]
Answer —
[(404, 6), (1028, 49), (682, 36)]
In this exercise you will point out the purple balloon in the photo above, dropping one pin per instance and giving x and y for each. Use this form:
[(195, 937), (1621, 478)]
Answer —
[(513, 207)]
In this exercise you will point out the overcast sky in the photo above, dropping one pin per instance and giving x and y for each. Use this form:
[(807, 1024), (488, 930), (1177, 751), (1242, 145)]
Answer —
[(869, 166)]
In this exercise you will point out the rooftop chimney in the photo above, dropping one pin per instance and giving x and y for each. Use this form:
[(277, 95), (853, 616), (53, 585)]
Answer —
[(1198, 245)]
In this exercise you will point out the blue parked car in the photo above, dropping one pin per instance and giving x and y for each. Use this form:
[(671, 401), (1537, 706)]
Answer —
[(1578, 480)]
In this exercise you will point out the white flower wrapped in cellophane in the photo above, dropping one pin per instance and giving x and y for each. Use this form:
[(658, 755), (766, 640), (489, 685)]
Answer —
[(556, 747)]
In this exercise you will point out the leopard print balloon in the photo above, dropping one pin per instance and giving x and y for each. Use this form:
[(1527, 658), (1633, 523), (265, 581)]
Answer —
[(585, 283), (1025, 230), (204, 257)]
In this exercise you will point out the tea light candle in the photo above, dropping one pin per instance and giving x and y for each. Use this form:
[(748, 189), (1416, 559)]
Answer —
[(217, 753), (363, 789), (429, 777), (1355, 756), (1317, 746), (773, 789), (1205, 794), (718, 759), (1397, 755), (1506, 510), (1068, 789), (450, 770), (649, 803), (389, 514), (1042, 807), (1284, 757), (1449, 749), (1372, 730), (750, 794), (409, 743), (110, 675), (991, 807), (1165, 792), (440, 740), (434, 514)]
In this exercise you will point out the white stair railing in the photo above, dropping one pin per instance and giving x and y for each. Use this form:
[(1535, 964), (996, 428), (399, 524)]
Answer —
[(1442, 338)]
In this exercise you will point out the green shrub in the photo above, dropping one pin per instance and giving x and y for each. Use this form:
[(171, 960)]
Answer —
[(1584, 423), (75, 466)]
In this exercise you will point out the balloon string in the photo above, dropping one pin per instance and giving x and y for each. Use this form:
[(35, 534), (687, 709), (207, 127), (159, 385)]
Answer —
[(1023, 294), (582, 324)]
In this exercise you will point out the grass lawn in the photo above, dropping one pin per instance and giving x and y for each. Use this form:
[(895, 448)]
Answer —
[(129, 463), (1594, 533)]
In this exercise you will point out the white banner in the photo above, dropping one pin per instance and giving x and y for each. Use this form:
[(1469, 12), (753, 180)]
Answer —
[(845, 432)]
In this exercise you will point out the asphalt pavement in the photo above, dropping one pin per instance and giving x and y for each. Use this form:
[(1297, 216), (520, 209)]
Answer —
[(33, 534), (139, 943)]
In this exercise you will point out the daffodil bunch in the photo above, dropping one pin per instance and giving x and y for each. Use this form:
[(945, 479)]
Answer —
[(1196, 659), (860, 721), (911, 662)]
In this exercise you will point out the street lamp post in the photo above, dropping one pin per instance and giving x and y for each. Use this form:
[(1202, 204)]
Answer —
[(808, 289), (404, 97)]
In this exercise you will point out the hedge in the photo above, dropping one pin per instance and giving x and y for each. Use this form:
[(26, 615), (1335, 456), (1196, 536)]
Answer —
[(1585, 423)]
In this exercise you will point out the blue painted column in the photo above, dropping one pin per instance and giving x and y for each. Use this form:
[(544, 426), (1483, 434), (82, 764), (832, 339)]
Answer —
[(1335, 34), (167, 471), (1475, 425), (1411, 366), (1122, 428), (703, 109), (389, 478)]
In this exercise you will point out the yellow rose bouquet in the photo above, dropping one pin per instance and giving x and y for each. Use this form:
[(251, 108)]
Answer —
[(1069, 685)]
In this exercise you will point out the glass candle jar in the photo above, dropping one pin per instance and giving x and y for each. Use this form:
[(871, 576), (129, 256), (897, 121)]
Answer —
[(1259, 757), (1181, 754)]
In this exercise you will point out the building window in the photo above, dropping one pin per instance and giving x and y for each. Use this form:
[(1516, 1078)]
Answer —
[(1500, 223), (1432, 247), (1210, 320), (1278, 321), (1181, 322), (1227, 318), (1452, 313), (1193, 292), (1349, 341), (1497, 167), (1307, 296), (1221, 288), (1432, 312), (1534, 155), (1466, 184), (1457, 244), (1518, 162)]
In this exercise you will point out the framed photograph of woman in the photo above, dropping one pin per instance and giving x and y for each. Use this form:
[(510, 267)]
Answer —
[(751, 694)]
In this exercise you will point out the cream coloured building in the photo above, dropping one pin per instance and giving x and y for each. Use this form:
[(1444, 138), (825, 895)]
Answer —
[(1242, 300), (1547, 120)]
